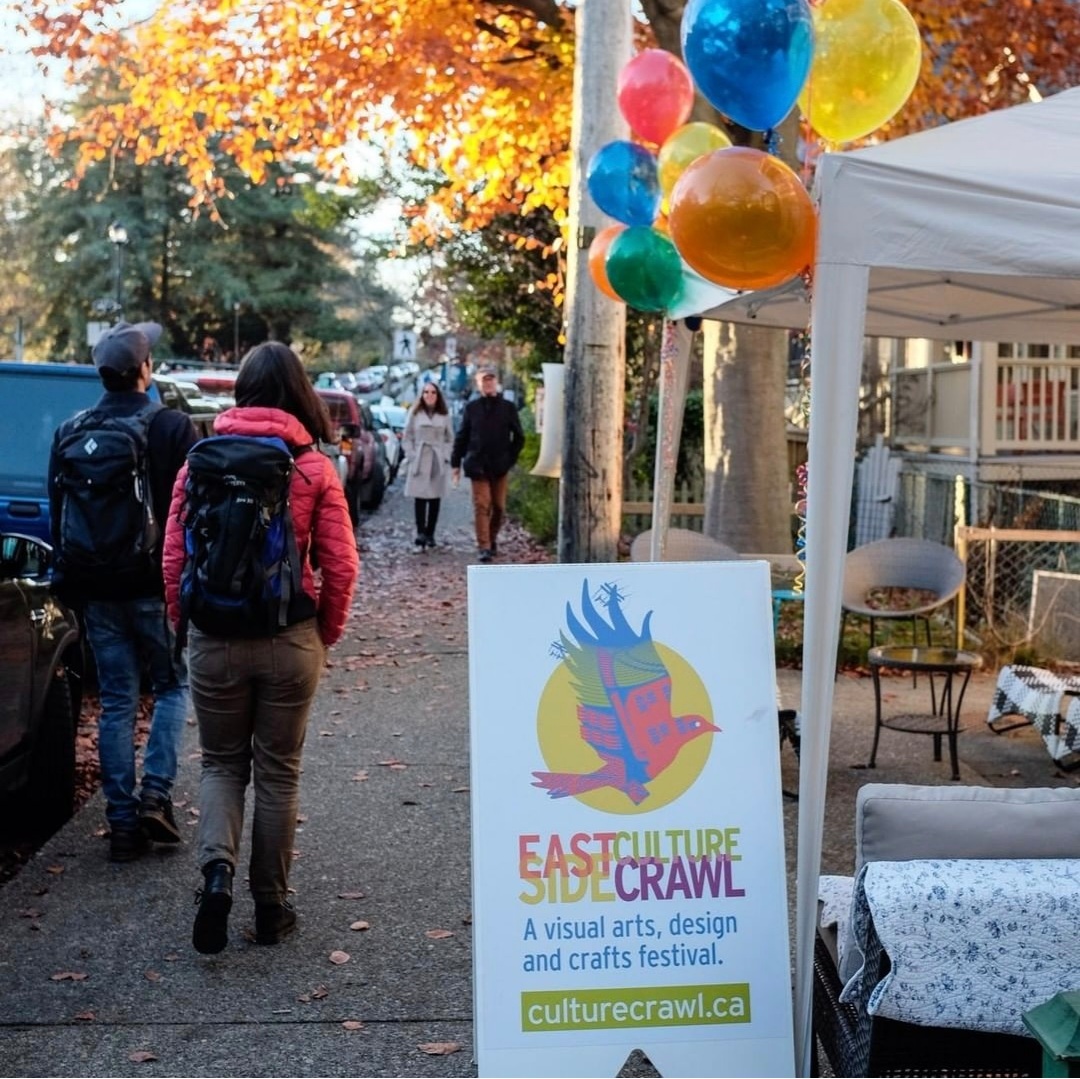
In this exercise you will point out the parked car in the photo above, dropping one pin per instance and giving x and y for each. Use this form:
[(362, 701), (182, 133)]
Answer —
[(41, 661), (364, 472), (35, 398), (391, 440), (395, 415)]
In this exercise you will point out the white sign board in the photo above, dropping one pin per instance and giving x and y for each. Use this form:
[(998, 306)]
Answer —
[(629, 885), (94, 330), (404, 345)]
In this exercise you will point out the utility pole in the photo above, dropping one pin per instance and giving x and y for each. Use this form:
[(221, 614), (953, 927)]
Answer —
[(590, 490)]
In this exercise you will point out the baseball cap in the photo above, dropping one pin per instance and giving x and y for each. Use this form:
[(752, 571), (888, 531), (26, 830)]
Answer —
[(487, 372), (125, 345)]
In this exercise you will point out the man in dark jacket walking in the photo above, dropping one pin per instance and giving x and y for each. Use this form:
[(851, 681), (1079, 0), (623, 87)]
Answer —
[(122, 595), (486, 447)]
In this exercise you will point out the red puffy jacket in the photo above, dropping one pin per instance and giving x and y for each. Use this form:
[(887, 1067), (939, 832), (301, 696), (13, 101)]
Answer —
[(320, 520)]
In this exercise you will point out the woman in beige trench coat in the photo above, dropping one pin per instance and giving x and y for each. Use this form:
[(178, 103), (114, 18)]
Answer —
[(428, 439)]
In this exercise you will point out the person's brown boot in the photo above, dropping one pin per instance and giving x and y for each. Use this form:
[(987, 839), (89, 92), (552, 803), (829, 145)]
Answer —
[(274, 922)]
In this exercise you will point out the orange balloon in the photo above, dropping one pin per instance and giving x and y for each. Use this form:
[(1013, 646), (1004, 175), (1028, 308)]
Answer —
[(742, 219), (598, 250)]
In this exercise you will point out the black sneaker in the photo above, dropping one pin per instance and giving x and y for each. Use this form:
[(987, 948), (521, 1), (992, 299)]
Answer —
[(156, 818), (494, 549), (127, 844), (274, 922), (485, 555)]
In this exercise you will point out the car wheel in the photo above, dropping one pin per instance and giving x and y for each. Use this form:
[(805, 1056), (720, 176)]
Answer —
[(375, 488), (50, 790), (353, 497)]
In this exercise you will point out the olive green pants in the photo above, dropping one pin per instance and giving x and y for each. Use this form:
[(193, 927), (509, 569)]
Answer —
[(252, 698)]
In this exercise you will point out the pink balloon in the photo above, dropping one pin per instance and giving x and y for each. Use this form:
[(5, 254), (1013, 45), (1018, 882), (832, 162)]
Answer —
[(655, 94)]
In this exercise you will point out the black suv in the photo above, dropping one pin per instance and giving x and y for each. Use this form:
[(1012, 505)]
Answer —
[(40, 687), (35, 398)]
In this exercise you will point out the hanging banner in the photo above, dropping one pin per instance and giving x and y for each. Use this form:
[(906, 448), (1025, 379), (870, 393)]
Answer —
[(629, 885)]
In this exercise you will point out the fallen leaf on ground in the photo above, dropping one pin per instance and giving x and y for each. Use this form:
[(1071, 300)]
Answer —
[(439, 934), (459, 790), (439, 1049), (56, 870), (30, 912), (172, 957), (352, 895), (141, 1056), (85, 1017), (353, 1024), (359, 927), (389, 763), (360, 776), (320, 992), (152, 976), (339, 957), (68, 976)]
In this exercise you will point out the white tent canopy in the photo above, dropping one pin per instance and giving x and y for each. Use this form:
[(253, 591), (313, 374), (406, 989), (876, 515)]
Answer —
[(966, 231)]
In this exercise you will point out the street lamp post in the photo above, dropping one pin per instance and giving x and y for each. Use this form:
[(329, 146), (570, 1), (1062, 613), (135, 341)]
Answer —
[(118, 237), (236, 331)]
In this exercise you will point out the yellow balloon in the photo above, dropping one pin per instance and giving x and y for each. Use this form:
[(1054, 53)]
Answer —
[(867, 55), (684, 145)]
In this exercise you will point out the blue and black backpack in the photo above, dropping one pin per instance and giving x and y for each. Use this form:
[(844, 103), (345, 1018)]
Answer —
[(242, 573), (107, 523)]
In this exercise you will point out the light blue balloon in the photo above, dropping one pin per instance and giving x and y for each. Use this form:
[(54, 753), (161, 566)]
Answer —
[(749, 58), (623, 182)]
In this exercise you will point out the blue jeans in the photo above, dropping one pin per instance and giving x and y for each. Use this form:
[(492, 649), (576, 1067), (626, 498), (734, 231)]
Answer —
[(125, 636)]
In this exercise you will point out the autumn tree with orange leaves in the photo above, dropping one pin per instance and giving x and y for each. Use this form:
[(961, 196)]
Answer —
[(478, 91)]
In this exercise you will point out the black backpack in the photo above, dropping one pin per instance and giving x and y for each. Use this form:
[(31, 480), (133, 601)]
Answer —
[(242, 573), (107, 523)]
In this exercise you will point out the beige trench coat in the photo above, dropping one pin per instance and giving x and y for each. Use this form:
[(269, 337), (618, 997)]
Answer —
[(427, 441)]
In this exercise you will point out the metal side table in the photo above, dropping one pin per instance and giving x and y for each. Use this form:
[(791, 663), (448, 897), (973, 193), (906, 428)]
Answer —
[(944, 666)]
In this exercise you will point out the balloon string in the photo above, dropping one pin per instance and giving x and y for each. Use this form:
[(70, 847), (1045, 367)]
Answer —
[(802, 472)]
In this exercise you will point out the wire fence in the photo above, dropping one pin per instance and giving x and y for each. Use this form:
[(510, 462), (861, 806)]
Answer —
[(1021, 551)]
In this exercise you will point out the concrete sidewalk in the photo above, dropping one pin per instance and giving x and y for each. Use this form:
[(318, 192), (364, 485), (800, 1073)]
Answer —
[(97, 973)]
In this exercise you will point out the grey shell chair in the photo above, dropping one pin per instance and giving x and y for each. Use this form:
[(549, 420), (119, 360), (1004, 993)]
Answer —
[(900, 562), (683, 545)]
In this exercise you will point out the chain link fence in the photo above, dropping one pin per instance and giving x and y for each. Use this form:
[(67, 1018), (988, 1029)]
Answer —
[(1019, 545)]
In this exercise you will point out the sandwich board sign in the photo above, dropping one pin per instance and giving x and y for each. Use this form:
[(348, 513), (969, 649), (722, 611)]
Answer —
[(629, 883)]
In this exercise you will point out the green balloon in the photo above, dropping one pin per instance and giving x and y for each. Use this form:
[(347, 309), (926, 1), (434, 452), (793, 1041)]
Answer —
[(644, 268)]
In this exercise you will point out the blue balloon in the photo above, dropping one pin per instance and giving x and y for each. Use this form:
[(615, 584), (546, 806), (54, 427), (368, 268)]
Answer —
[(623, 182), (749, 58)]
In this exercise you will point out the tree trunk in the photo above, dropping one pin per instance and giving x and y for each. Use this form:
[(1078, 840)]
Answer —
[(748, 500), (590, 491)]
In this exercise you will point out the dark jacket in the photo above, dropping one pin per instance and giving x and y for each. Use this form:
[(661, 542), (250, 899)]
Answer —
[(489, 439), (169, 437)]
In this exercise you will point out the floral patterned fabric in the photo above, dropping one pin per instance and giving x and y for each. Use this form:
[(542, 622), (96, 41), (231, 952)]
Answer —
[(970, 943)]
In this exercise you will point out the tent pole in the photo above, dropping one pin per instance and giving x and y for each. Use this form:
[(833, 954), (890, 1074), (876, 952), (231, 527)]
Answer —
[(839, 310)]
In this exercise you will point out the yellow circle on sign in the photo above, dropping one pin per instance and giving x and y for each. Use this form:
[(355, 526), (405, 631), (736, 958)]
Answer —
[(564, 749)]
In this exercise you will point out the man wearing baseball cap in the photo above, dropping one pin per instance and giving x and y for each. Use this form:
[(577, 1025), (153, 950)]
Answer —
[(487, 446), (119, 593)]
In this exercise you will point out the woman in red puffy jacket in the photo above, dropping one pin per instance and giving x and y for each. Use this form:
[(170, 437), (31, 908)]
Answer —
[(252, 695)]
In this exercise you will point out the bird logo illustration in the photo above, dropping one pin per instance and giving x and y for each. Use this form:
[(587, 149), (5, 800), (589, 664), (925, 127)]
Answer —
[(623, 690)]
